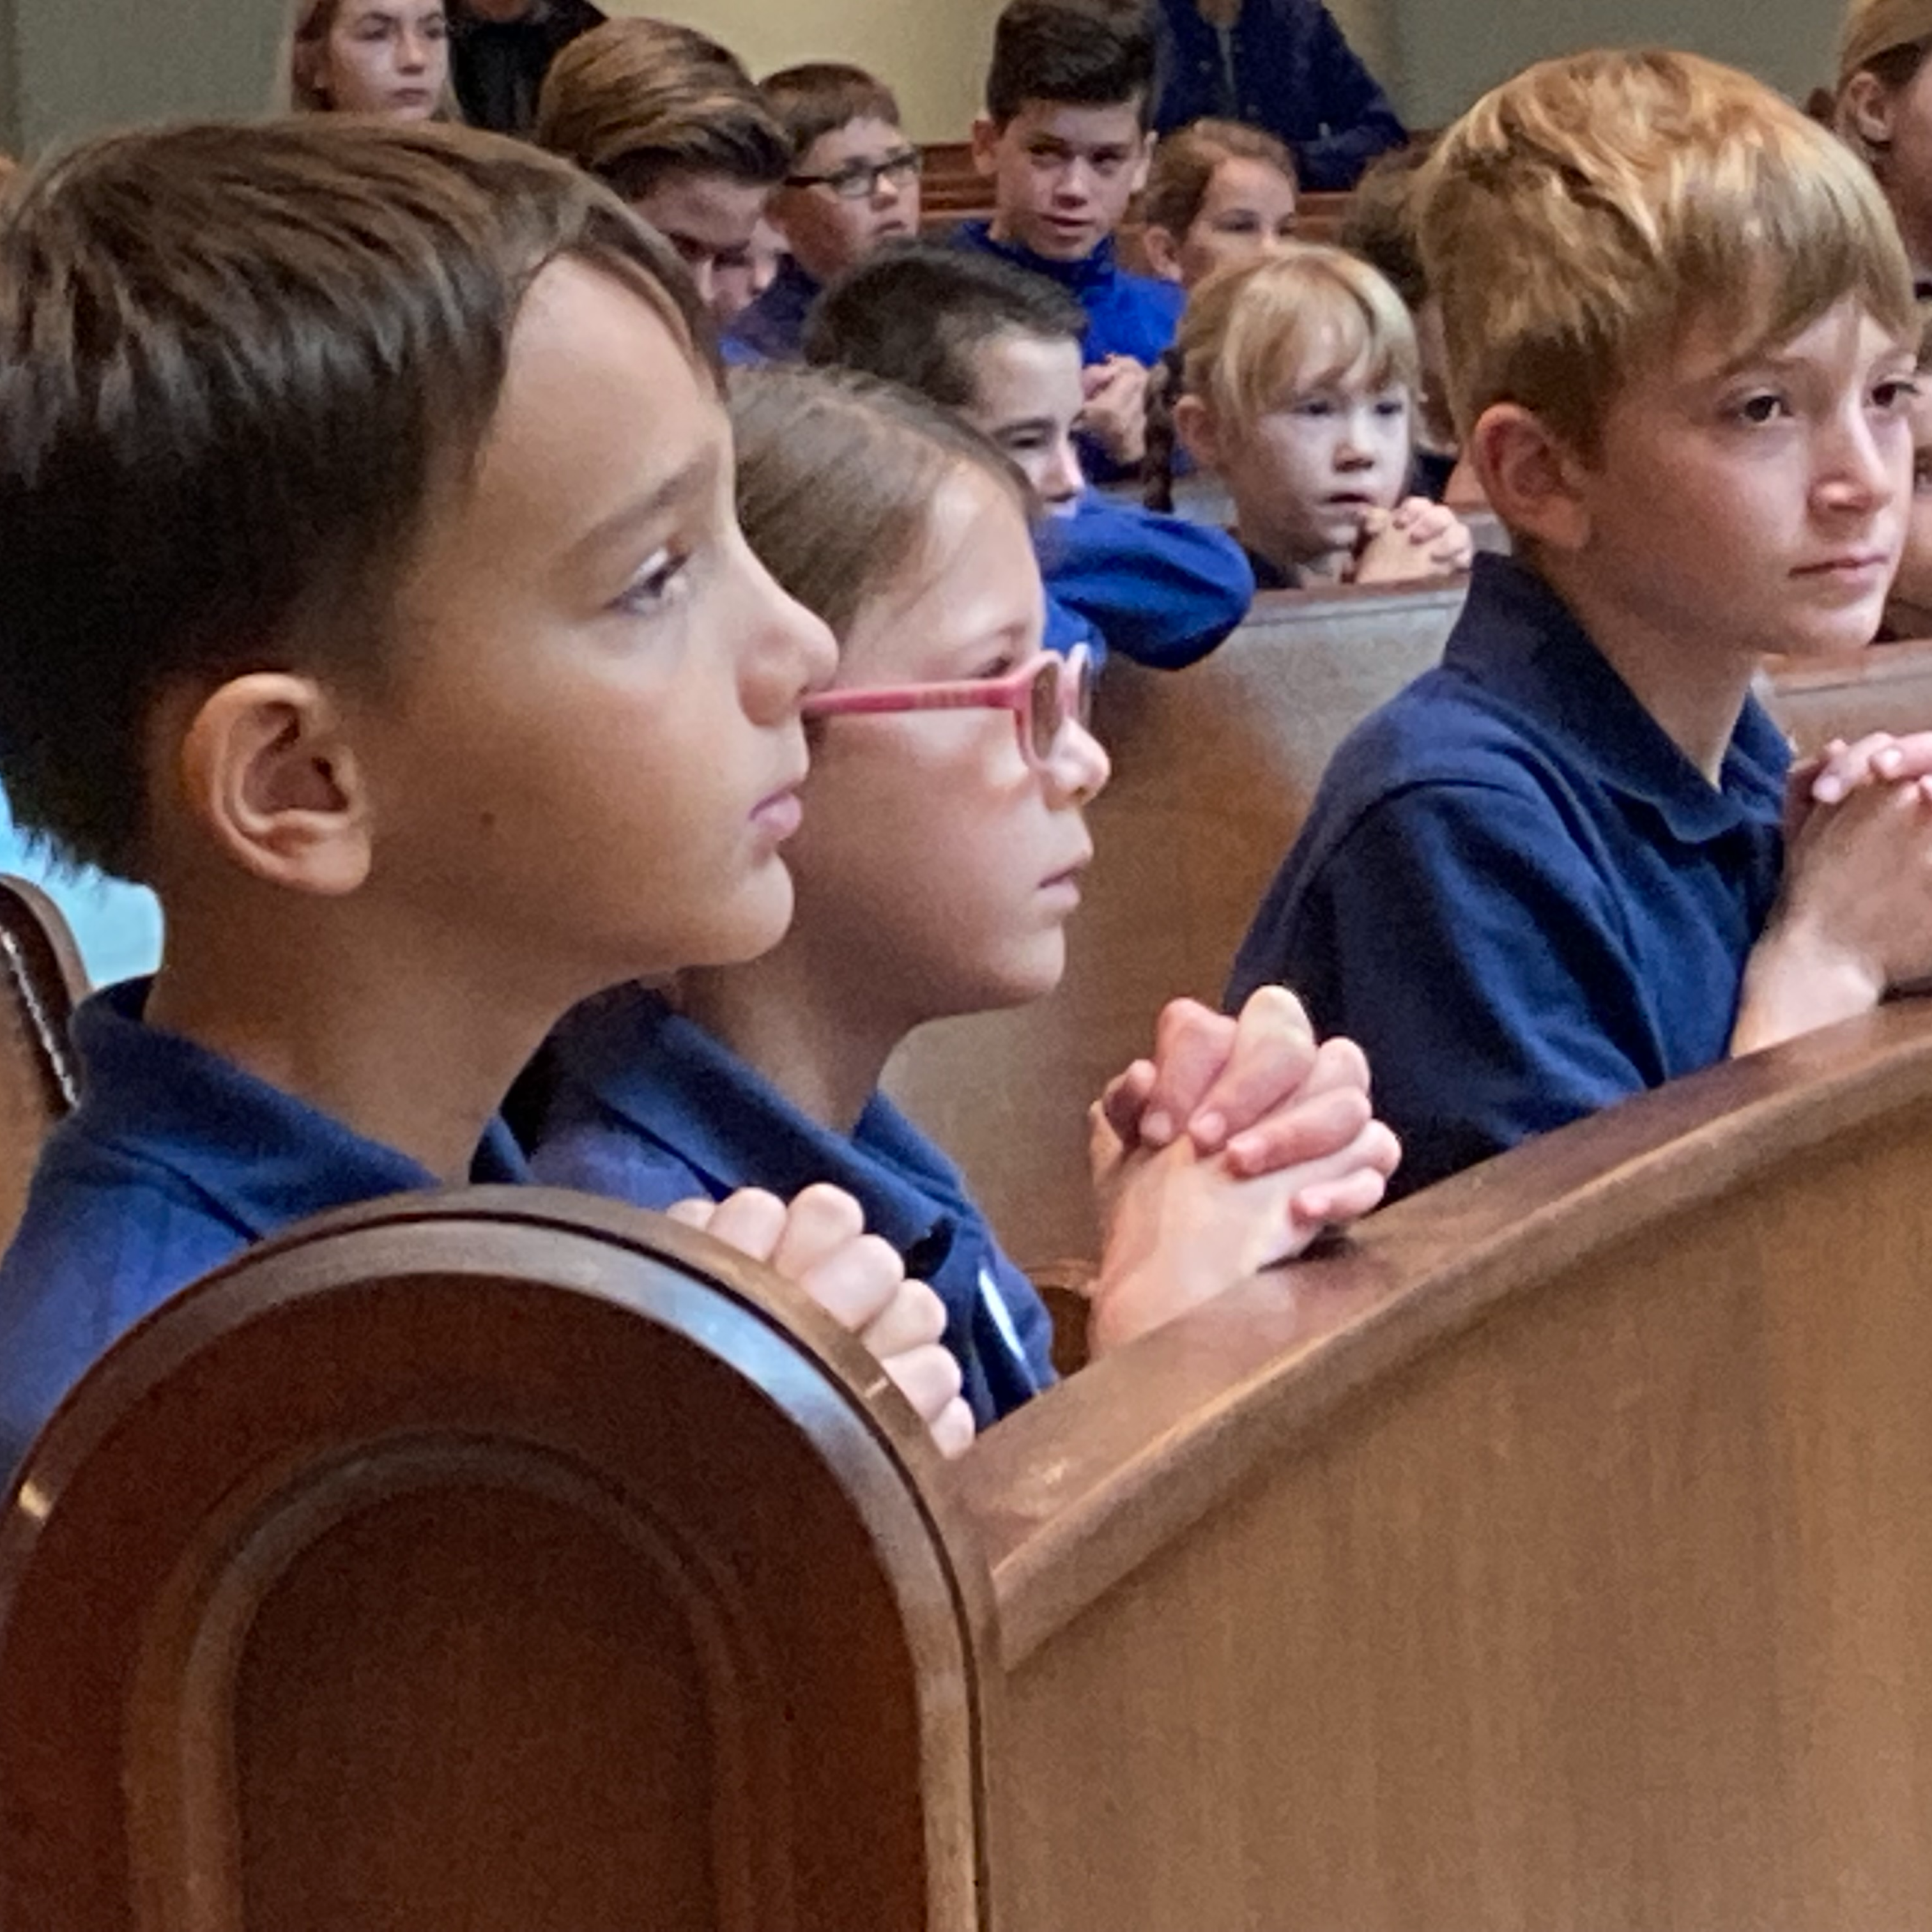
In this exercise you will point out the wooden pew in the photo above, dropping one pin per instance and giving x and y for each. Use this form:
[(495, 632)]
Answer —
[(1883, 688), (1214, 768)]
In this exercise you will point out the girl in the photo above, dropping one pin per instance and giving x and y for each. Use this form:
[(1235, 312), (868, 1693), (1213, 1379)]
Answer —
[(939, 858), (1297, 386), (1884, 110), (1908, 611), (389, 58), (1217, 193)]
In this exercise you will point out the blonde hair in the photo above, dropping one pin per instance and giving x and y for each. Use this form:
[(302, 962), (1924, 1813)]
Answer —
[(1579, 218), (1185, 162), (297, 90)]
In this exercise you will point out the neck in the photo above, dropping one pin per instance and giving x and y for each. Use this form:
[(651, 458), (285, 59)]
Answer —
[(1695, 694), (1328, 566), (395, 1046), (817, 1035)]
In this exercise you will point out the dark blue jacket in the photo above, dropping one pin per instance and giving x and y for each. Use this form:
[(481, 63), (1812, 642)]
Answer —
[(772, 329), (175, 1161), (497, 67), (645, 1106), (1516, 892), (1295, 74)]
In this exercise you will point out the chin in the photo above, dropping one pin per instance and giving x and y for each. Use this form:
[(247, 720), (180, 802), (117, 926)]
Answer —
[(748, 928)]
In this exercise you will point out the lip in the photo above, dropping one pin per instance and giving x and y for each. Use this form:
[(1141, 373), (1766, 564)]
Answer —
[(780, 814), (1853, 566), (1065, 882)]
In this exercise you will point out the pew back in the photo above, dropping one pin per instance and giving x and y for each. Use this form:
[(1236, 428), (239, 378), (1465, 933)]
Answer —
[(1214, 769), (1883, 688), (41, 980)]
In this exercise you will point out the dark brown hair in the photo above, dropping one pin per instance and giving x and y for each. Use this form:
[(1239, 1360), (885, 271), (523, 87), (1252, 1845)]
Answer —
[(237, 363), (821, 97), (1083, 53), (1381, 226)]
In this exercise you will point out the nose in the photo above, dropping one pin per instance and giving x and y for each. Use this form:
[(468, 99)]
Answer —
[(1074, 183), (1065, 479), (414, 56), (1080, 768), (1355, 448), (793, 653), (885, 190), (1868, 466), (1274, 242)]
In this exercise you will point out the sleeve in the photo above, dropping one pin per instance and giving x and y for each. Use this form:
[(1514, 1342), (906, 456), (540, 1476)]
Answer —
[(606, 1157), (1160, 589), (1459, 936), (1345, 98)]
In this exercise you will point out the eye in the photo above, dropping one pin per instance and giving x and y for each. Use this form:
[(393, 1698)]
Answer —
[(995, 667), (1024, 442), (655, 586), (1313, 405), (1767, 406), (1396, 405), (1237, 224), (1896, 392)]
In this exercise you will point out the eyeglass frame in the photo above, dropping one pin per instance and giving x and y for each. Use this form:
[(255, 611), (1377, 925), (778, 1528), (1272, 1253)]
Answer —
[(858, 181), (1013, 692)]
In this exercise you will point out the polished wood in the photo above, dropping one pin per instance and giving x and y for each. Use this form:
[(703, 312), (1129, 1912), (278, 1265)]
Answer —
[(1883, 688), (41, 981), (1214, 769), (502, 1561), (1555, 1555)]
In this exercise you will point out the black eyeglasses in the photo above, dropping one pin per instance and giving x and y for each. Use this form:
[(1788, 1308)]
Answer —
[(857, 181)]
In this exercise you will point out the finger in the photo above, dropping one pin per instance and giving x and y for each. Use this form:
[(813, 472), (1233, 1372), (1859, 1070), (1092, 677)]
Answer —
[(1312, 1129), (928, 1378), (1848, 766), (820, 1222), (1191, 1044), (1273, 1054), (1374, 1150), (855, 1284), (1126, 1099), (751, 1221), (953, 1428), (1341, 1202), (914, 1318)]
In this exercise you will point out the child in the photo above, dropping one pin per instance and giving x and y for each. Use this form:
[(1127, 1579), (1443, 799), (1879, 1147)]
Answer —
[(389, 57), (854, 184), (1217, 192), (1002, 347), (1908, 609), (369, 586), (939, 862), (1882, 109), (671, 120), (1064, 138), (1551, 873), (1298, 376)]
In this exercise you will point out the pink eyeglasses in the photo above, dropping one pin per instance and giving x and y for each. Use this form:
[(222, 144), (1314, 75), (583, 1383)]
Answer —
[(1045, 695)]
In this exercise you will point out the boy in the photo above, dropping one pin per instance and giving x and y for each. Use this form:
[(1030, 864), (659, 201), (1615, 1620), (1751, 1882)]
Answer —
[(1002, 347), (370, 587), (670, 120), (854, 184), (1550, 874), (1064, 138)]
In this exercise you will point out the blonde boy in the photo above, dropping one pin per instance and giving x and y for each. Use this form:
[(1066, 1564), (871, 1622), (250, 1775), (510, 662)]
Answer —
[(1552, 873)]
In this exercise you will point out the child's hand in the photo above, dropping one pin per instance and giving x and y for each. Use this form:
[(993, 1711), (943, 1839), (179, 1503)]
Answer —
[(820, 1245), (1878, 758), (1416, 539), (1115, 414)]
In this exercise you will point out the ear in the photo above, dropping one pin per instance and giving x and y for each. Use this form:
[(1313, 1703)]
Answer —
[(1197, 432), (1161, 247), (267, 775), (986, 144), (1533, 479), (1865, 110)]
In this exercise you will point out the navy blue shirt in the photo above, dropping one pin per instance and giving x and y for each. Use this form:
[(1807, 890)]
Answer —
[(1161, 590), (1516, 892), (1285, 66), (1127, 314), (644, 1105), (772, 329), (174, 1162)]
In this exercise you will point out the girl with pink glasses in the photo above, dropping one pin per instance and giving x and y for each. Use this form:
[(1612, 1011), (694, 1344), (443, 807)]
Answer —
[(939, 857)]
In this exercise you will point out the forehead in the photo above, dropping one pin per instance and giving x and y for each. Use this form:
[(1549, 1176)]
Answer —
[(863, 140), (1016, 375), (1241, 182), (1847, 339), (1081, 129), (712, 210), (357, 12)]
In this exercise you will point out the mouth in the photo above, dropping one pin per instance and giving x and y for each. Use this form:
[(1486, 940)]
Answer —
[(780, 814), (1065, 884), (1853, 567)]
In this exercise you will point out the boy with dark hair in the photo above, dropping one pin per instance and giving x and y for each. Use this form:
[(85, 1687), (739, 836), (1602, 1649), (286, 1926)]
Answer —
[(1065, 139), (1002, 347), (670, 120), (1553, 872), (370, 587), (501, 50), (854, 184)]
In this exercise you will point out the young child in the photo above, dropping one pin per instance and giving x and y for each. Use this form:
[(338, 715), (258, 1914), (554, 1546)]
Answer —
[(1002, 347), (1551, 873), (670, 120), (1298, 379), (1908, 610), (853, 185), (1218, 192), (1064, 138), (940, 859), (389, 57), (370, 587)]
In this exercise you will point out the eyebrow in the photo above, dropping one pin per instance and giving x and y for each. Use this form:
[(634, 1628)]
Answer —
[(1026, 425), (688, 479)]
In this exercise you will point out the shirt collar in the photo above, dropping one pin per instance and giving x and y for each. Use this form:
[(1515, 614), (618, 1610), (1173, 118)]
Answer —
[(262, 1156), (1519, 641), (1092, 272), (683, 1088)]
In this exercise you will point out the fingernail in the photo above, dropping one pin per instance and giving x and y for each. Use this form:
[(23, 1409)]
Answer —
[(1209, 1130), (1828, 791), (1157, 1127)]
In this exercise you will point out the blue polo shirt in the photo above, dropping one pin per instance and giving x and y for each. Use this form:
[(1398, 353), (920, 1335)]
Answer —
[(1516, 892), (772, 328), (645, 1106), (174, 1162), (1159, 589)]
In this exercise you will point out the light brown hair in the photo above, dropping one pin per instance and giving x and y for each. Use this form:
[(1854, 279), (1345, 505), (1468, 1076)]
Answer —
[(634, 100), (1184, 163), (821, 97), (297, 91), (1580, 216), (238, 364), (837, 472)]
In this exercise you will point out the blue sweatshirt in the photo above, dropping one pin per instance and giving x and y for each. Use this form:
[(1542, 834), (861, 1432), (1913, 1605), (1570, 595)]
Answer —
[(772, 329), (1284, 65)]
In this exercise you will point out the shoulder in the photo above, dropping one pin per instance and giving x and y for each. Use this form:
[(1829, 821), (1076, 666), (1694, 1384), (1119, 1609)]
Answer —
[(596, 1153)]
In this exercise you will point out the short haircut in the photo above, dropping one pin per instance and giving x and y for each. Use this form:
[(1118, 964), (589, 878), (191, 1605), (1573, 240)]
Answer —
[(1080, 53), (1257, 332), (821, 97), (1185, 162), (238, 366), (1582, 215), (634, 100), (917, 312), (837, 472), (1381, 225)]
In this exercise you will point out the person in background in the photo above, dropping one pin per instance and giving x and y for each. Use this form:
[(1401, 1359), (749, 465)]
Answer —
[(738, 284), (1908, 610), (670, 120), (1217, 192), (1281, 64), (502, 50), (389, 58), (1884, 110)]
